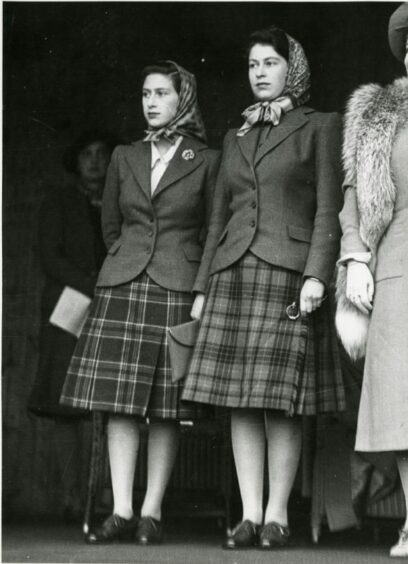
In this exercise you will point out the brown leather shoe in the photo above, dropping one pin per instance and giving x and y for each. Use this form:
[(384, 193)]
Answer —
[(114, 528), (273, 535), (149, 531), (245, 535)]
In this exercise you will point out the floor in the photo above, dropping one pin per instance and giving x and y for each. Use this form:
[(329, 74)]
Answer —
[(189, 542)]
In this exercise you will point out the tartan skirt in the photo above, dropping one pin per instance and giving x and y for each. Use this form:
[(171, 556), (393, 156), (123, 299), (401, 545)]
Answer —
[(249, 354), (121, 362)]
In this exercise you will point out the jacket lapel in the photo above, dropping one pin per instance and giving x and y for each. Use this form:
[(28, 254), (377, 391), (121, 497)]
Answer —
[(248, 143), (180, 166), (291, 122), (139, 159)]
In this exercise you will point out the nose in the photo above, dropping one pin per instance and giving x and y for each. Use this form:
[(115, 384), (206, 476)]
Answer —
[(260, 71), (151, 101)]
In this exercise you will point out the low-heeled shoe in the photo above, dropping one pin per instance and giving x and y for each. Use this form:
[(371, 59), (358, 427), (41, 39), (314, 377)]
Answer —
[(114, 528), (245, 535), (400, 550), (273, 535), (149, 531)]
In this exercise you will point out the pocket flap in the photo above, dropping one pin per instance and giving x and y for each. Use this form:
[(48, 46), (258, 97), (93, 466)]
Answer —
[(193, 252), (186, 333), (300, 233)]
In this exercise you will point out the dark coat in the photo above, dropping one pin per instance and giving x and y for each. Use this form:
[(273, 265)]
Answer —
[(71, 253), (282, 201), (164, 233)]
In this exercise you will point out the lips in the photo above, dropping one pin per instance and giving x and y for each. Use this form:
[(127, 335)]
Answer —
[(153, 114), (263, 85)]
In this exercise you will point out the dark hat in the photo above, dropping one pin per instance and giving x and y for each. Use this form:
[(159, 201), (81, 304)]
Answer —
[(70, 158), (398, 30)]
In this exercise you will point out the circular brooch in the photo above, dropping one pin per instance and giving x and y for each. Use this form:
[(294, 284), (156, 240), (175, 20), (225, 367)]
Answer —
[(188, 154)]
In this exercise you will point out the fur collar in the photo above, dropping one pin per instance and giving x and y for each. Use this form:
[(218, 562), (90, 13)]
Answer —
[(373, 118)]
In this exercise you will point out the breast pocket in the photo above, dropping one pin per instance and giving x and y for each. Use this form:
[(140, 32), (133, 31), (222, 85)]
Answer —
[(113, 249)]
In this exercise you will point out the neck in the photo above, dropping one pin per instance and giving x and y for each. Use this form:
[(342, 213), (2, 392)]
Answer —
[(92, 186), (163, 145)]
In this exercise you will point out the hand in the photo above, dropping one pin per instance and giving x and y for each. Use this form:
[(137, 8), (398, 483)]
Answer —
[(311, 295), (360, 286), (197, 308)]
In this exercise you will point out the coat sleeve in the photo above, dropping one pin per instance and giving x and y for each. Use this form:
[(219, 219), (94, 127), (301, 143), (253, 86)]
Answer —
[(324, 245), (351, 242), (54, 260), (218, 215), (111, 215)]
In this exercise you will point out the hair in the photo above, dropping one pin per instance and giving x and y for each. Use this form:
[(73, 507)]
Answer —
[(163, 67), (70, 158), (273, 36)]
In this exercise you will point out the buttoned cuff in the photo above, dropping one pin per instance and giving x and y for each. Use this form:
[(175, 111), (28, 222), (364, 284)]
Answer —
[(364, 257)]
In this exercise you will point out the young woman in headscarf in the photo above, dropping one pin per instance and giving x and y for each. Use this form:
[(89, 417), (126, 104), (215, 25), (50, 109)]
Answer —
[(372, 282), (266, 347), (154, 214)]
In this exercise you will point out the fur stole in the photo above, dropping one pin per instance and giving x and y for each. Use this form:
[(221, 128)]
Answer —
[(373, 118)]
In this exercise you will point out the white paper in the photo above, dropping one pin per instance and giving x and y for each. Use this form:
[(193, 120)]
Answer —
[(71, 311)]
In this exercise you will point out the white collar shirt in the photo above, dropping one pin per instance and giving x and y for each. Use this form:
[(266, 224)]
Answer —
[(160, 163)]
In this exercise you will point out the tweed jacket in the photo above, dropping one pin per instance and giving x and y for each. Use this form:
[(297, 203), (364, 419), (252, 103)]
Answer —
[(70, 244), (163, 233), (280, 201)]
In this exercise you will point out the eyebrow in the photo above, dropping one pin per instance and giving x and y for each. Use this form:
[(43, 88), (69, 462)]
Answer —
[(161, 88), (265, 59)]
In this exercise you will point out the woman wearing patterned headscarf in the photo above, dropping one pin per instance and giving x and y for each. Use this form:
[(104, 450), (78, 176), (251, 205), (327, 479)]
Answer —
[(154, 215), (266, 347)]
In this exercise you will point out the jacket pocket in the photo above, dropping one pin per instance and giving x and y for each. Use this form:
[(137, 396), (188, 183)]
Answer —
[(223, 236), (113, 249), (193, 252), (300, 233)]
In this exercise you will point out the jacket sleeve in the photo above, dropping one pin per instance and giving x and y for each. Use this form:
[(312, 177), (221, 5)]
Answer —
[(218, 215), (329, 197), (111, 215), (54, 261), (351, 242)]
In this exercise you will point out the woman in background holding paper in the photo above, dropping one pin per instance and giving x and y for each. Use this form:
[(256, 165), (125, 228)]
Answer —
[(155, 209), (71, 251)]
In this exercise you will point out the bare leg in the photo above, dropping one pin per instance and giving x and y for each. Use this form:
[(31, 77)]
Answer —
[(123, 446), (248, 443), (402, 461), (284, 439), (163, 445)]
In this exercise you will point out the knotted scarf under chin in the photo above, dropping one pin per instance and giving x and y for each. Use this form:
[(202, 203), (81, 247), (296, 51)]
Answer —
[(265, 112)]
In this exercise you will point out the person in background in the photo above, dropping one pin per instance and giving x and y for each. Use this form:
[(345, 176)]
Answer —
[(71, 251), (372, 283), (155, 210), (267, 346)]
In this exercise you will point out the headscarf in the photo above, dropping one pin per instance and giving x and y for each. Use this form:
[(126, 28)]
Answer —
[(295, 93), (187, 121)]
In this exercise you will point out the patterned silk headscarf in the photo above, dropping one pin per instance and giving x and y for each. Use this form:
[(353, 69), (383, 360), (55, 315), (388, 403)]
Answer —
[(187, 121), (295, 93)]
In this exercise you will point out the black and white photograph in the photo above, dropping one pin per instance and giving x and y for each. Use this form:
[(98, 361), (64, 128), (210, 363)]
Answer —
[(205, 282)]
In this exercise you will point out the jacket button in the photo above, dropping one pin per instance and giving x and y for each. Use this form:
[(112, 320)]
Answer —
[(253, 205), (253, 187), (151, 220), (148, 250), (150, 234), (252, 223)]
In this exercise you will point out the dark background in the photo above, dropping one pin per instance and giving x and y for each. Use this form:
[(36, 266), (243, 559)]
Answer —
[(69, 66)]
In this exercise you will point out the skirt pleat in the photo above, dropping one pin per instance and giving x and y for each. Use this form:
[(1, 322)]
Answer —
[(249, 354), (121, 362)]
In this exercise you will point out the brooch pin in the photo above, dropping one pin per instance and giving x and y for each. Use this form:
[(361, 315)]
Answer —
[(188, 155)]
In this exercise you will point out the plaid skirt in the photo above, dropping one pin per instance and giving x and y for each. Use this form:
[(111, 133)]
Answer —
[(121, 361), (249, 354)]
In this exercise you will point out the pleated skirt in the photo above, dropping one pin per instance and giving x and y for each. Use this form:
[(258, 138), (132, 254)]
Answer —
[(249, 354), (121, 362)]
